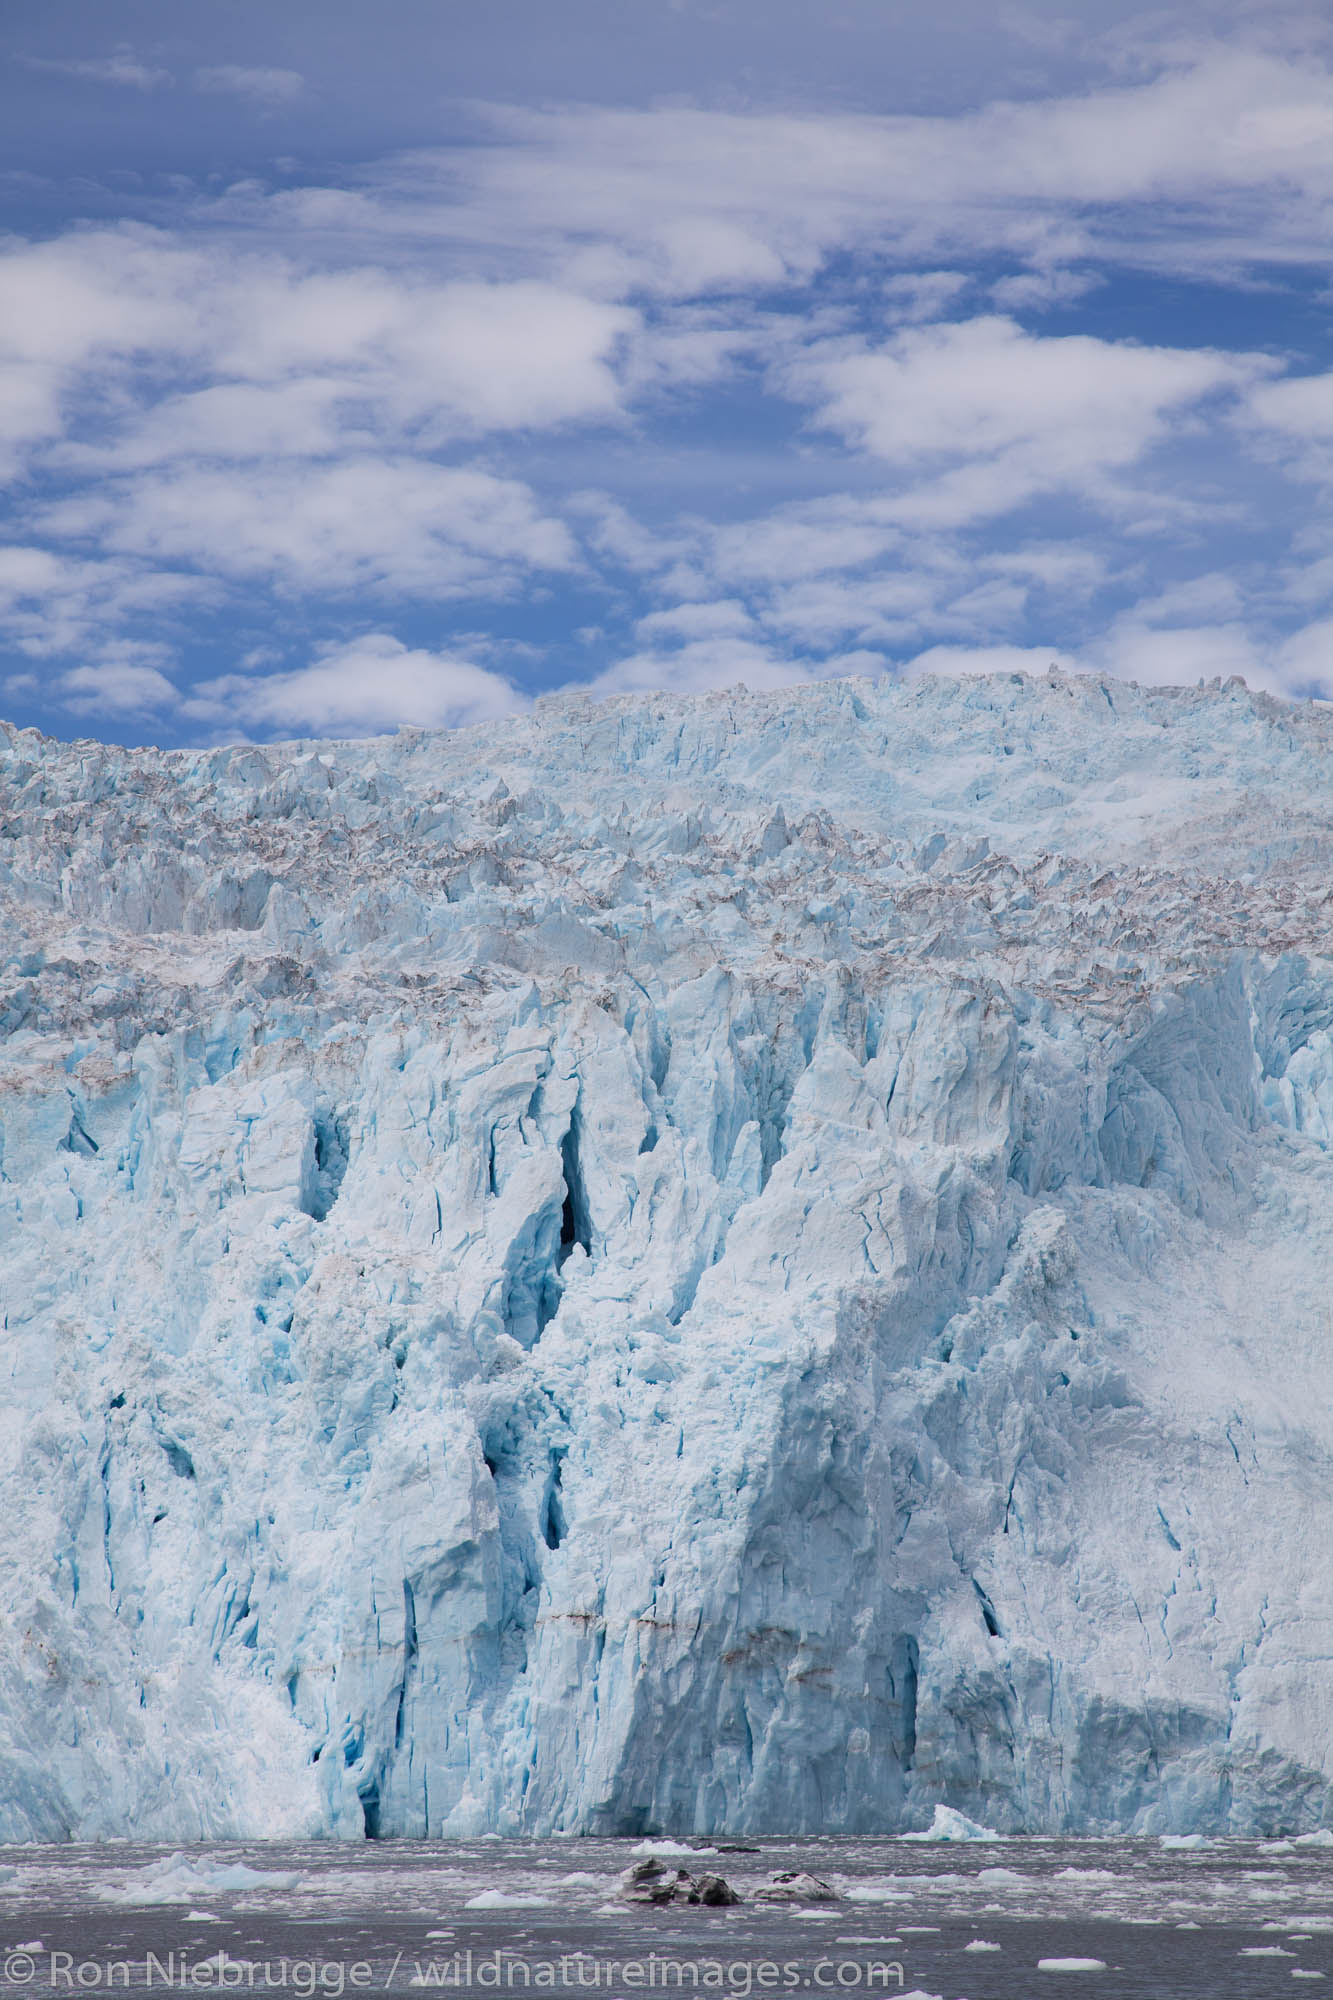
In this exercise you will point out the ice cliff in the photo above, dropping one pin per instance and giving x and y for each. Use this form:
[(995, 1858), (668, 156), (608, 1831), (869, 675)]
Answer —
[(752, 1262)]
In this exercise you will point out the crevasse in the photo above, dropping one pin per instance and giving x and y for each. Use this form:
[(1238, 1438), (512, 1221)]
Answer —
[(746, 1263)]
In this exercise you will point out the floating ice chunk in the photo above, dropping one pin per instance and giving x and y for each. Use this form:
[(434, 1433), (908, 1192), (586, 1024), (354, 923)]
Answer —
[(1322, 1838), (951, 1825), (176, 1879), (982, 1944), (669, 1847), (503, 1899), (1071, 1965)]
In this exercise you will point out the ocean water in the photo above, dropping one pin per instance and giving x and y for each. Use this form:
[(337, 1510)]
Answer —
[(1001, 1920)]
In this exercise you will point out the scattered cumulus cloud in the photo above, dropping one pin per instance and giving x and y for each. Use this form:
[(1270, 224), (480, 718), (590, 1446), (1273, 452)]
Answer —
[(53, 603), (1177, 654), (1029, 290), (265, 87), (953, 662), (766, 394), (362, 687), (1006, 414), (121, 683), (723, 661), (1225, 154), (727, 619), (123, 70), (357, 523), (924, 295)]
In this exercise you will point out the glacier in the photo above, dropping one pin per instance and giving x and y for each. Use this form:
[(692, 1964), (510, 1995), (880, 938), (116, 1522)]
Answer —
[(751, 1262)]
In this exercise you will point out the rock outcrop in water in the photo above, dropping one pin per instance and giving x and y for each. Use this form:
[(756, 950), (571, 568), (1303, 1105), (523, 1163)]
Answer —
[(709, 1265)]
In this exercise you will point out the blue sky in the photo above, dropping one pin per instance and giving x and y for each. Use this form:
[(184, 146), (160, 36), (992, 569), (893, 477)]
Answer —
[(365, 365)]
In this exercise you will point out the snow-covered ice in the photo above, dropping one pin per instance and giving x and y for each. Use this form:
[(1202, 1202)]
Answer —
[(673, 1267)]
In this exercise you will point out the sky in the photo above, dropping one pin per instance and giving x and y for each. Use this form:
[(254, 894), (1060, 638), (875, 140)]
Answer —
[(367, 365)]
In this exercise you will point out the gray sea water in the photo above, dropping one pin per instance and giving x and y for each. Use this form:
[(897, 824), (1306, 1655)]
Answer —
[(1002, 1920)]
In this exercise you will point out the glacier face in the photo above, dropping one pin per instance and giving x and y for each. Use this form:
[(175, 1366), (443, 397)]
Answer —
[(748, 1263)]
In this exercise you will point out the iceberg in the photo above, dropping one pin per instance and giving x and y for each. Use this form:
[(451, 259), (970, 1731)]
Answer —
[(671, 1267), (949, 1825)]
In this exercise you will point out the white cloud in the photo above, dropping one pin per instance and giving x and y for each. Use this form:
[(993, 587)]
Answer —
[(1291, 423), (1225, 154), (615, 533), (1310, 583), (1305, 660), (986, 415), (248, 418), (124, 70), (1036, 290), (955, 661), (1134, 649), (1301, 407), (106, 292), (805, 539), (304, 418), (1213, 596), (75, 312), (822, 574), (362, 687), (459, 356), (53, 603), (1178, 655), (724, 661), (1073, 568), (720, 619), (917, 295), (888, 607), (266, 87), (407, 388), (359, 523), (283, 358), (1137, 647), (120, 684)]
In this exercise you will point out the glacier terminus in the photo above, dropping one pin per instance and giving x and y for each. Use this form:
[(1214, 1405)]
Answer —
[(741, 1263)]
